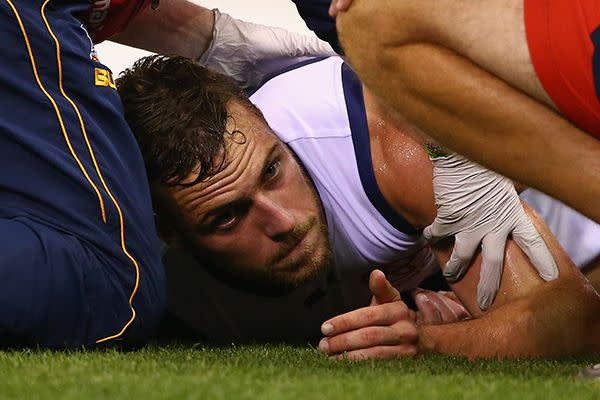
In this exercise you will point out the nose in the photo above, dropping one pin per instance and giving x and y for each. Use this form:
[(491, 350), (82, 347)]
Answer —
[(276, 218)]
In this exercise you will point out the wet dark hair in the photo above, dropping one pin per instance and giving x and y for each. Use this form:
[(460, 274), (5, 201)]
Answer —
[(177, 111)]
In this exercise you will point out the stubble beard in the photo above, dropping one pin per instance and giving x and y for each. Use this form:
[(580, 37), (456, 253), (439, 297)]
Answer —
[(311, 263)]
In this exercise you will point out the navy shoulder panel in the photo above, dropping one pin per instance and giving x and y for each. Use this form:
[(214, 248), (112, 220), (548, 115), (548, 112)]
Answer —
[(362, 147), (316, 15)]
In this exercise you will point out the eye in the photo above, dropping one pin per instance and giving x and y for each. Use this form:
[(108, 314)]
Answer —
[(226, 220), (272, 170)]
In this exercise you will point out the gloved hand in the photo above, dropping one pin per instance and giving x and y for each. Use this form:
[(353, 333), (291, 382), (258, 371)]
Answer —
[(480, 206), (249, 52)]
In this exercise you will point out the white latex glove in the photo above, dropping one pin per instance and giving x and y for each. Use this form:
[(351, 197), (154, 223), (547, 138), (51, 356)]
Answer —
[(480, 206), (249, 52)]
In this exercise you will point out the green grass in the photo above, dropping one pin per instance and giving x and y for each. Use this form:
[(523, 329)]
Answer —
[(279, 372)]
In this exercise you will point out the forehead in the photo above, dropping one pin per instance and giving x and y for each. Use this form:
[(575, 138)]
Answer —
[(249, 142)]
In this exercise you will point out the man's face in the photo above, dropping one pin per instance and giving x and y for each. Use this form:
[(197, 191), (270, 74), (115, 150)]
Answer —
[(259, 219)]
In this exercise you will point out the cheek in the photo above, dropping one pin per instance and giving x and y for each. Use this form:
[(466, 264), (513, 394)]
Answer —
[(300, 193)]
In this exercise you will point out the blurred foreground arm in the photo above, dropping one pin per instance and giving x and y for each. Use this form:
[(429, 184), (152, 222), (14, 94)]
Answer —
[(408, 63)]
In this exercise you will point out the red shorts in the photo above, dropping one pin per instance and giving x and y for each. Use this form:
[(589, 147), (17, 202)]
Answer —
[(564, 43)]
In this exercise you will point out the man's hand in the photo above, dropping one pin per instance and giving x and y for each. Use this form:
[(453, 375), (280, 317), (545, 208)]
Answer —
[(438, 307), (249, 52), (338, 5), (387, 328), (480, 206)]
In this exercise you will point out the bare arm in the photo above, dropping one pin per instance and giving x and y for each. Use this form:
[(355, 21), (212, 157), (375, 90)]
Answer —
[(177, 27), (244, 51), (529, 318)]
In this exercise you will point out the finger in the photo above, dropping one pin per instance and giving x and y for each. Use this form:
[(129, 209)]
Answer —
[(338, 5), (449, 294), (532, 244), (379, 352), (443, 312), (491, 269), (437, 231), (455, 305), (464, 248), (343, 5), (419, 319), (381, 289), (429, 313), (437, 309), (401, 332), (382, 315), (333, 8)]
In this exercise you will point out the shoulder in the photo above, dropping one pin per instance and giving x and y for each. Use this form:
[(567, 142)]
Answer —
[(402, 168), (304, 99)]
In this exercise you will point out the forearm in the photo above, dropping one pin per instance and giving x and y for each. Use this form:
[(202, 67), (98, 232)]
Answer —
[(555, 323), (177, 27), (529, 317)]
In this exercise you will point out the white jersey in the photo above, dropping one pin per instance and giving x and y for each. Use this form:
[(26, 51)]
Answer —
[(324, 122), (577, 234), (318, 111)]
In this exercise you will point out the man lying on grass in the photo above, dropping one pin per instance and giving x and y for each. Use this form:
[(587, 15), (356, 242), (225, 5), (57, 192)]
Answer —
[(321, 182)]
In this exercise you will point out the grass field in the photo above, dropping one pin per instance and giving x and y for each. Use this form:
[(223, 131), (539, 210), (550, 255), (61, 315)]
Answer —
[(279, 372)]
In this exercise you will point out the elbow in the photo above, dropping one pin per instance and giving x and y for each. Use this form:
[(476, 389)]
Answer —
[(569, 325)]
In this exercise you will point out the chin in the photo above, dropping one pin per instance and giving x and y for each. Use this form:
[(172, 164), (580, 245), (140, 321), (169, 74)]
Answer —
[(316, 266), (276, 281)]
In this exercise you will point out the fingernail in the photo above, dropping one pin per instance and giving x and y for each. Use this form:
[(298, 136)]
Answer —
[(421, 298), (327, 329), (323, 345), (451, 277)]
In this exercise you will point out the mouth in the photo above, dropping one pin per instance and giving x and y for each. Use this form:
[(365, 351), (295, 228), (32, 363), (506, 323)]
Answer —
[(297, 250), (292, 256)]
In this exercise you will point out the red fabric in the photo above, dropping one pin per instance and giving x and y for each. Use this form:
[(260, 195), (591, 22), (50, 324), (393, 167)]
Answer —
[(108, 17), (558, 35)]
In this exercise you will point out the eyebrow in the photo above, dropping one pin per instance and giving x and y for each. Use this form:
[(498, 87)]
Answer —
[(269, 156), (267, 161)]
